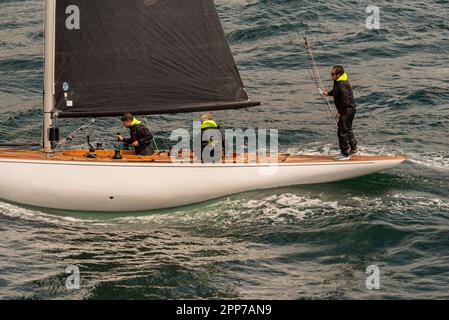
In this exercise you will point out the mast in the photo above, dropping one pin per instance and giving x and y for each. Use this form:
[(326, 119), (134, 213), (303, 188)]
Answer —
[(49, 54)]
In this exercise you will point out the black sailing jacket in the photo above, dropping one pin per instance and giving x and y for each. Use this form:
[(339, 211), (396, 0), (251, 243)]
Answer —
[(139, 132), (343, 95)]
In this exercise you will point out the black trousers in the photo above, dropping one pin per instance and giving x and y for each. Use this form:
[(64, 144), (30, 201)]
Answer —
[(345, 134), (146, 150)]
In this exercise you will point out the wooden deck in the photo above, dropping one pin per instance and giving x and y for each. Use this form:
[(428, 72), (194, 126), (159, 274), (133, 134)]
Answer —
[(163, 157)]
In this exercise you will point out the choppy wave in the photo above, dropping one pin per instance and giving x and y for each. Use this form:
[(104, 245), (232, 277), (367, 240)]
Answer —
[(276, 209), (435, 160), (35, 215), (438, 160)]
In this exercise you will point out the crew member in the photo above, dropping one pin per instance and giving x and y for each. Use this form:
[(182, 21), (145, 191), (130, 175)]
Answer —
[(346, 110), (140, 136), (210, 136)]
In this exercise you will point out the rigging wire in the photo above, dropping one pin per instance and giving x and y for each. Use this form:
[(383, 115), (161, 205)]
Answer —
[(30, 144), (313, 72), (9, 135), (317, 78), (71, 136), (152, 131)]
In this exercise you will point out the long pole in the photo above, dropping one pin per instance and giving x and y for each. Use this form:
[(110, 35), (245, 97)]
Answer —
[(49, 35)]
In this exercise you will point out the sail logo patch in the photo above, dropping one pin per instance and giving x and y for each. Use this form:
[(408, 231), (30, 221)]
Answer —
[(73, 20)]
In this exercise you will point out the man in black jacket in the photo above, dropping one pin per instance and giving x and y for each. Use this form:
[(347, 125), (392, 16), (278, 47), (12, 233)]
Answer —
[(346, 109), (140, 136)]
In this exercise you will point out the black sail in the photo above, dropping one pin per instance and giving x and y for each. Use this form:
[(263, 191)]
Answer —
[(143, 56)]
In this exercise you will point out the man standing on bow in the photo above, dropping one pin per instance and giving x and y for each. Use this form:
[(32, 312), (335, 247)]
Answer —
[(346, 110), (140, 136)]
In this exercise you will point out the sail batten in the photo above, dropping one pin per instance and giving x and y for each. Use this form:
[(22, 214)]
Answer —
[(156, 56)]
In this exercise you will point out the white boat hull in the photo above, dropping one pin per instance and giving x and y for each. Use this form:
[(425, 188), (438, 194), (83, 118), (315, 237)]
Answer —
[(107, 186)]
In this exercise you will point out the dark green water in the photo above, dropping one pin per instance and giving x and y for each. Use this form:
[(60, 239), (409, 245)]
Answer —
[(293, 243)]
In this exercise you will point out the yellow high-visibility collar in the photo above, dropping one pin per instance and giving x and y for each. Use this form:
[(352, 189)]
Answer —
[(343, 77), (209, 124), (135, 122)]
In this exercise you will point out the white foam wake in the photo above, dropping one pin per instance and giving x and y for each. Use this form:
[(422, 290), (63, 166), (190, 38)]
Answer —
[(14, 211), (434, 160), (275, 209)]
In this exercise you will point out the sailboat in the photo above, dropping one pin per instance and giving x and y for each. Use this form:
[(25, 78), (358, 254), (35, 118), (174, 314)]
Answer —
[(107, 57)]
